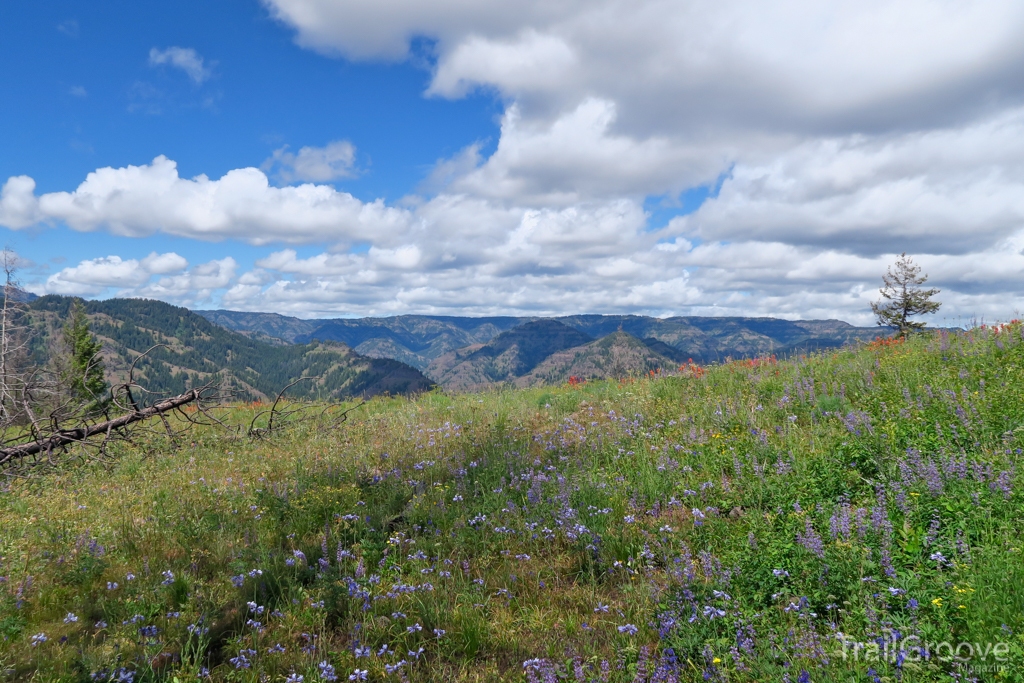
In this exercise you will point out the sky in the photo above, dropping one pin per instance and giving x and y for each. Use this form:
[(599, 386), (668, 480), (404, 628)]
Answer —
[(338, 158)]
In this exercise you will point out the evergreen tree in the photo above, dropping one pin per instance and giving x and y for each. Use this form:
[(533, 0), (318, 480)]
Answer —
[(85, 380), (902, 297)]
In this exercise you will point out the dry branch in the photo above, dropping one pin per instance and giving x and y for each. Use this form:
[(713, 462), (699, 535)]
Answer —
[(269, 429), (66, 437)]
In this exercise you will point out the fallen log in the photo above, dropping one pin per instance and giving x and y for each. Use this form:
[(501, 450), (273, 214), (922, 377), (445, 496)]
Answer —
[(66, 437)]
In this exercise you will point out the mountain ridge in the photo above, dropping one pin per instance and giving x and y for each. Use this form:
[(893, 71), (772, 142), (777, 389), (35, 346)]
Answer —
[(421, 339), (196, 351), (616, 355), (506, 357)]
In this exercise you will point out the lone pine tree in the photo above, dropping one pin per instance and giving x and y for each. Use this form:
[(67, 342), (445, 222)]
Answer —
[(903, 297), (84, 380)]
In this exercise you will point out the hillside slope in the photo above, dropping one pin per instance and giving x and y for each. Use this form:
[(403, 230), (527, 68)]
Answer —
[(507, 357), (262, 325), (413, 339), (196, 352), (419, 340), (616, 355), (830, 519)]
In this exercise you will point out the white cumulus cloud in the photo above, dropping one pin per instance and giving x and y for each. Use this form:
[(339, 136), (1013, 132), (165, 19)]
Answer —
[(94, 276), (184, 58), (152, 198), (319, 164), (836, 135)]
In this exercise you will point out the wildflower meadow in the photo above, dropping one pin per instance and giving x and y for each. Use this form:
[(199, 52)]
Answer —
[(855, 515)]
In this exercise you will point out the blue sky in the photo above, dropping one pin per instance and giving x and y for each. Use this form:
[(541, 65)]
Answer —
[(89, 97), (348, 157)]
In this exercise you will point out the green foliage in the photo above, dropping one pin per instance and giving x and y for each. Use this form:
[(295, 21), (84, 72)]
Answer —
[(754, 521), (194, 351), (902, 297), (85, 371)]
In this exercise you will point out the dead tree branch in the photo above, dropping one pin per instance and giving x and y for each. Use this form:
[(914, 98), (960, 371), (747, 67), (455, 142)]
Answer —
[(67, 437), (269, 429)]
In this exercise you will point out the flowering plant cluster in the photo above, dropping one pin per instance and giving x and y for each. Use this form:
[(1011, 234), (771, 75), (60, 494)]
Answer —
[(754, 521)]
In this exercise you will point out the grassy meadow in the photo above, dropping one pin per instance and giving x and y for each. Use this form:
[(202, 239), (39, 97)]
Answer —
[(850, 516)]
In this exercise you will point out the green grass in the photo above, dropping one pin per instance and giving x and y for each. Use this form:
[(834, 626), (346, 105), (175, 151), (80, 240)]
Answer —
[(757, 521)]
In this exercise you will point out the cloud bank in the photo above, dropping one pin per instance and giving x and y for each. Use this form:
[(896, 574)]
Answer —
[(834, 136)]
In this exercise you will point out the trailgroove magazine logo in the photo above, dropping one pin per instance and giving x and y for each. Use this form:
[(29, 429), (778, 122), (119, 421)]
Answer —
[(896, 649)]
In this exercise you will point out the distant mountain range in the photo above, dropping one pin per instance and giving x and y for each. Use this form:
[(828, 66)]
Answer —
[(618, 354), (197, 351), (472, 353), (508, 357)]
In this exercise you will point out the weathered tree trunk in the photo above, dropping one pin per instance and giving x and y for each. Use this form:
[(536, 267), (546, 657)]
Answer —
[(70, 436)]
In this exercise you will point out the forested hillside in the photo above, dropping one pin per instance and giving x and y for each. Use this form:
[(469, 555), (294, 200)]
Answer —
[(421, 340), (195, 351), (505, 358)]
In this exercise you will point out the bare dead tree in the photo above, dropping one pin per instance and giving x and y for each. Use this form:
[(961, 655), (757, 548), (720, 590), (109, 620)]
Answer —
[(68, 422), (260, 432), (65, 437), (279, 419), (15, 374)]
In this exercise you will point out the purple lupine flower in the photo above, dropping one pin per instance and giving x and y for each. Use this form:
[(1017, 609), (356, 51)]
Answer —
[(879, 513), (932, 478), (1003, 483), (711, 612), (961, 545), (933, 531), (839, 522), (860, 515), (327, 672), (886, 561), (810, 539), (242, 660)]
